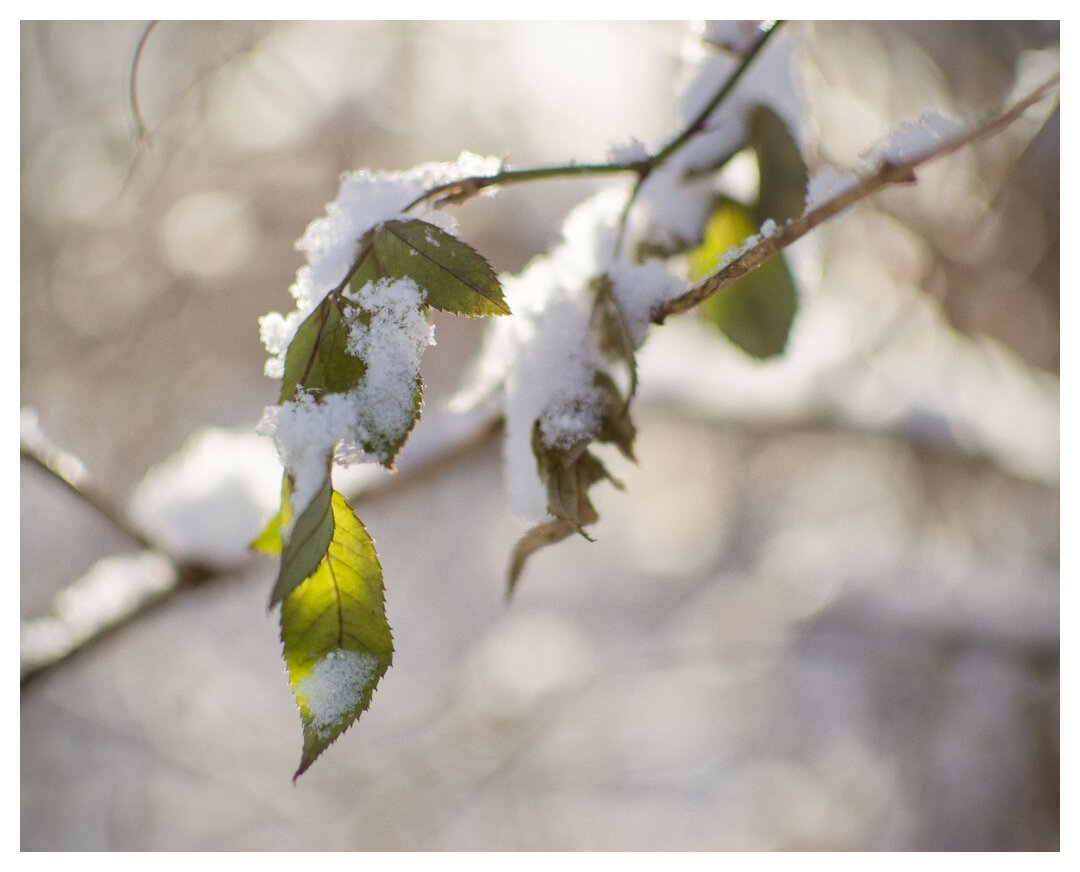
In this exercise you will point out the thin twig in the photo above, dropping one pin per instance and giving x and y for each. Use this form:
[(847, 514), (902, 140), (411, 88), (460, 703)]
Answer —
[(463, 189), (887, 174), (702, 118), (133, 93), (694, 127), (71, 472)]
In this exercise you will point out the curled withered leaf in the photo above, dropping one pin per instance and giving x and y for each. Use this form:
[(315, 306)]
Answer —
[(610, 327), (567, 474), (616, 426), (540, 536)]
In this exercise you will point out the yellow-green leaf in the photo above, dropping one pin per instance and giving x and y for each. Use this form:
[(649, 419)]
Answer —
[(336, 639), (269, 541), (756, 312)]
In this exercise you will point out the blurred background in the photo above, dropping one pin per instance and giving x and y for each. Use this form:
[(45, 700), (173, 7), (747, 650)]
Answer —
[(823, 615)]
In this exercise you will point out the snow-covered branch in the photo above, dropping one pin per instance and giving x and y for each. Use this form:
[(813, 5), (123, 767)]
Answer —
[(890, 171)]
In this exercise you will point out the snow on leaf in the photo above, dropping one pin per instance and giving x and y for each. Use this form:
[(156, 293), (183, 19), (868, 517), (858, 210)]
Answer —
[(353, 373), (336, 640)]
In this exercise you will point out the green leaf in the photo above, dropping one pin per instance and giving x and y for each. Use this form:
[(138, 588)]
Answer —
[(783, 173), (756, 312), (455, 277), (318, 359), (307, 543), (336, 639)]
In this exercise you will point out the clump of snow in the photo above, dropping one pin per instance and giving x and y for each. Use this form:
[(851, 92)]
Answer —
[(639, 290), (549, 356), (673, 205), (570, 417), (366, 199), (1033, 68), (306, 431), (335, 686), (331, 242), (110, 590), (906, 142), (740, 179), (546, 356), (207, 501), (552, 368), (391, 344), (389, 333), (630, 151)]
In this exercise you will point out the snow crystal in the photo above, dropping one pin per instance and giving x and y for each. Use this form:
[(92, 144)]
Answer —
[(827, 183), (914, 139), (335, 686)]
